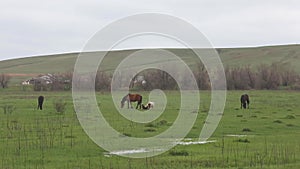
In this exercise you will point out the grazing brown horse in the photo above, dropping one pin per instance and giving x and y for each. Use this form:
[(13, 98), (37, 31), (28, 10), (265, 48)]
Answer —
[(132, 98), (245, 101), (40, 102)]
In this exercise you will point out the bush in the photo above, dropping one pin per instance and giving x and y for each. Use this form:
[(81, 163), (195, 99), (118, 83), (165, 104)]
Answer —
[(277, 121), (178, 153), (295, 87), (242, 140), (150, 130), (246, 130), (290, 117), (162, 122), (150, 125), (8, 109), (60, 105), (127, 134)]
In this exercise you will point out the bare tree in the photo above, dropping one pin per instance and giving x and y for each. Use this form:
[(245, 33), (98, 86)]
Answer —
[(103, 81), (4, 79)]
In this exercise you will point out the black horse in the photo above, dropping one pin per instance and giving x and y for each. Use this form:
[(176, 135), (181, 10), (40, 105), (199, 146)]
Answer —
[(40, 102), (245, 101)]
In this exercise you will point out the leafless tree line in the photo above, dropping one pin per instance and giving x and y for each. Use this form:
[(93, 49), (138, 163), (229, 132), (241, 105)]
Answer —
[(274, 76), (269, 77)]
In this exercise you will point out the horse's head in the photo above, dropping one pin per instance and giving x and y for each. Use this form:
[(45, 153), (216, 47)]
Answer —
[(123, 100), (244, 105)]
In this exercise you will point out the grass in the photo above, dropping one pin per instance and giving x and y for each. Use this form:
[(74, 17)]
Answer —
[(31, 138)]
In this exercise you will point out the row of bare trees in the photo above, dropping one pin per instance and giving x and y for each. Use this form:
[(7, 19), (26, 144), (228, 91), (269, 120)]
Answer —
[(263, 77), (272, 76)]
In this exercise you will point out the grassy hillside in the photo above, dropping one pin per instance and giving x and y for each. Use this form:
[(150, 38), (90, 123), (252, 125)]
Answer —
[(288, 55)]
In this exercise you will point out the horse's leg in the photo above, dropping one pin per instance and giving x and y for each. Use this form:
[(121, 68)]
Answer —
[(140, 102), (130, 104), (248, 103)]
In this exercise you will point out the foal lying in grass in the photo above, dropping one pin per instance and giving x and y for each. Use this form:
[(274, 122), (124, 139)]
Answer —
[(148, 106)]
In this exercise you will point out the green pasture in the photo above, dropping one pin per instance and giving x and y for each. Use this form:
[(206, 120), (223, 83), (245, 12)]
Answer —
[(265, 136)]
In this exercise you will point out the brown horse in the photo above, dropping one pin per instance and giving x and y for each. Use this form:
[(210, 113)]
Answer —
[(245, 101), (132, 98)]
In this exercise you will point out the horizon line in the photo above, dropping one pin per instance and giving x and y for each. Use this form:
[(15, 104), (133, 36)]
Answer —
[(127, 49)]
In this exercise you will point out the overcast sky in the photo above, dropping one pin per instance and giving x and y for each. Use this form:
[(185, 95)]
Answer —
[(32, 27)]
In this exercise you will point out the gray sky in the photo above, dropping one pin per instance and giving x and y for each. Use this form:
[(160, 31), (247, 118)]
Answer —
[(32, 27)]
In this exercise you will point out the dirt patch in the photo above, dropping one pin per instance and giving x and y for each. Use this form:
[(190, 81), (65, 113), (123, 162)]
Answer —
[(22, 74)]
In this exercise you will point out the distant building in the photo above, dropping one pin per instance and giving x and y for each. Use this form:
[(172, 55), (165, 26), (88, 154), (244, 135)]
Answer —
[(42, 79)]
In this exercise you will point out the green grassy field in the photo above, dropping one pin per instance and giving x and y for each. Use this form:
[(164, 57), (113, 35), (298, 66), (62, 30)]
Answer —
[(265, 136)]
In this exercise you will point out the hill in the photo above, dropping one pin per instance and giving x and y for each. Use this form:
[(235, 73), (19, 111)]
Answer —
[(287, 55)]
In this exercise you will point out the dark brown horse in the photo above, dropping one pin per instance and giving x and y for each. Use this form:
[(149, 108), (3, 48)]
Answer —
[(245, 101), (132, 98)]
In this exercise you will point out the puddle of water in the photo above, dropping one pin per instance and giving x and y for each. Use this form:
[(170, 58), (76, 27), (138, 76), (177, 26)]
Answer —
[(194, 142), (186, 141), (134, 151), (122, 152)]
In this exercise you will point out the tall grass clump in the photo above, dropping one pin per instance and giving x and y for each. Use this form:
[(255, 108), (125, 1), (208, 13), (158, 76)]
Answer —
[(60, 106)]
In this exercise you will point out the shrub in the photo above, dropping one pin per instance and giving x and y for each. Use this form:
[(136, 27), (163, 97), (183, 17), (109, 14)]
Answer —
[(8, 109), (242, 140), (178, 153), (150, 125), (127, 134), (290, 117), (162, 122), (277, 121), (246, 130), (60, 105), (295, 87), (150, 130)]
